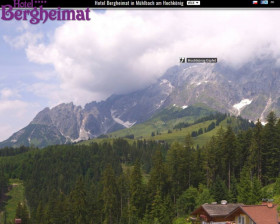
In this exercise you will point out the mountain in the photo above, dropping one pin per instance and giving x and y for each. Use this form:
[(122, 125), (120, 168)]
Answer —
[(174, 123), (250, 91)]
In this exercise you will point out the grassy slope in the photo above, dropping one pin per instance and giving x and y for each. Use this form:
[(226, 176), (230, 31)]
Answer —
[(199, 140), (16, 194), (163, 121), (143, 131)]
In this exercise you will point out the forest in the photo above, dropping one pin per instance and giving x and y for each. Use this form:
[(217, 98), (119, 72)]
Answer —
[(145, 182)]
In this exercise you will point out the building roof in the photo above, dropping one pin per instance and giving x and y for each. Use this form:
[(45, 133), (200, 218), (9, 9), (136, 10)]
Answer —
[(17, 221), (260, 214), (214, 210)]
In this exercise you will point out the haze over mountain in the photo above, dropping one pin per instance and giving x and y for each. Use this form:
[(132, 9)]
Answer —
[(250, 91)]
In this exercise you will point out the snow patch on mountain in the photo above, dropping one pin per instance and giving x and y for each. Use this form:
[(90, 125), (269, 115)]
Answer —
[(243, 103), (159, 104), (268, 104), (83, 133), (126, 124), (168, 84), (199, 83), (184, 107)]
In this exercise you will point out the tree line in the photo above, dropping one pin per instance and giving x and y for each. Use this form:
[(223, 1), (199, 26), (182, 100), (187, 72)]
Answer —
[(147, 182)]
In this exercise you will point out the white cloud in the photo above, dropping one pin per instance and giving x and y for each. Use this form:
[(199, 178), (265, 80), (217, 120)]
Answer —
[(120, 51), (28, 35), (5, 131), (14, 115), (17, 107), (7, 93)]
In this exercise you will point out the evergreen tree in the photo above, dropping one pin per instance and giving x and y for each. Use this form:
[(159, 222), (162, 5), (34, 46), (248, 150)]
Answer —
[(233, 193), (256, 153), (244, 187), (219, 190), (187, 201), (39, 214), (109, 195), (137, 192), (204, 196), (271, 150), (160, 210), (256, 194), (22, 213), (230, 153), (209, 162), (276, 188), (159, 177), (78, 202)]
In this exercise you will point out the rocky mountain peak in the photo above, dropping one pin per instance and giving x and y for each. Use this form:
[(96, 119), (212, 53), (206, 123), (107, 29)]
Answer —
[(251, 90)]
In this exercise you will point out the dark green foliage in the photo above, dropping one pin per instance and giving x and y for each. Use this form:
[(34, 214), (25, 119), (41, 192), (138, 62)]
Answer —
[(145, 181), (271, 150), (137, 191), (219, 190), (276, 189), (159, 176), (194, 134), (187, 201), (245, 187), (109, 197), (129, 136), (210, 127), (161, 210), (256, 195), (233, 192), (22, 213), (204, 196)]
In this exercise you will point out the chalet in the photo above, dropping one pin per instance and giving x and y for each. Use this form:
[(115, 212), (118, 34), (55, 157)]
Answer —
[(213, 213), (254, 214)]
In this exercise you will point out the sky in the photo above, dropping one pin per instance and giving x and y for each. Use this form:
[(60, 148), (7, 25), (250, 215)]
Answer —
[(117, 52)]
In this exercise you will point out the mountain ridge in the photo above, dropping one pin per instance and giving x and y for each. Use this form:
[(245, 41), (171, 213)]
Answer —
[(250, 91)]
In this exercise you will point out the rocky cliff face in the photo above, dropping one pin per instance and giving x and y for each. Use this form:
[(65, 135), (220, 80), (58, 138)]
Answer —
[(251, 91)]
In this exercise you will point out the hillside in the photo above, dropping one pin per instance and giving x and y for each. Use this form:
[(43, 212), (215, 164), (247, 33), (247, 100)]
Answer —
[(94, 182), (251, 91), (169, 125)]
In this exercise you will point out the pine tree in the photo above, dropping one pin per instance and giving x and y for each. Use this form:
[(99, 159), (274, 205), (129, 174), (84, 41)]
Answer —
[(271, 150), (244, 187), (22, 213), (219, 190), (204, 196), (276, 189), (256, 151), (181, 167), (233, 193), (123, 188), (137, 191), (78, 202), (256, 194), (187, 201), (158, 180), (109, 195), (209, 163), (39, 213), (173, 160), (230, 154), (161, 211)]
